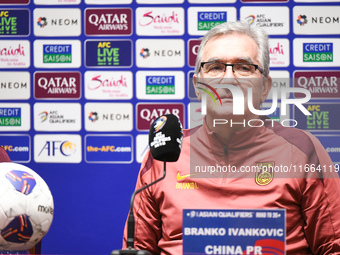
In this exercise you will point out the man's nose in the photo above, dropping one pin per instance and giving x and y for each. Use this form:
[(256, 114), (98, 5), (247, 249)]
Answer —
[(229, 72)]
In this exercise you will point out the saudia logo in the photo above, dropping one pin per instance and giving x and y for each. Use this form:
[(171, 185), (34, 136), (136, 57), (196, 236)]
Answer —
[(317, 52), (9, 51), (148, 18), (238, 102), (106, 55), (97, 82)]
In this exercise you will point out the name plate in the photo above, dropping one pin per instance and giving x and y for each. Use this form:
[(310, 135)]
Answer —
[(233, 232)]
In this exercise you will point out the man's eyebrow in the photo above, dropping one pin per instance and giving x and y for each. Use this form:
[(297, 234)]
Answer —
[(238, 60)]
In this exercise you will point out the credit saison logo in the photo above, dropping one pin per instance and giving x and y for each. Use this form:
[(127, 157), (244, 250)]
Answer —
[(208, 20), (160, 85), (238, 104), (317, 52), (10, 117), (57, 53), (14, 22)]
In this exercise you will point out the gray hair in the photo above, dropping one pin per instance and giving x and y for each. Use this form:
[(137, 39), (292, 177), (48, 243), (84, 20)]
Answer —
[(256, 33)]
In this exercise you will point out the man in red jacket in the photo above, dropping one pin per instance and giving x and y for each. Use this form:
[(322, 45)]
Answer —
[(237, 54), (3, 155)]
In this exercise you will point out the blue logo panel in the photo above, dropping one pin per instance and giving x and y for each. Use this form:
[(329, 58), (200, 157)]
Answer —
[(14, 22), (17, 147), (108, 149), (324, 117), (332, 146), (109, 53)]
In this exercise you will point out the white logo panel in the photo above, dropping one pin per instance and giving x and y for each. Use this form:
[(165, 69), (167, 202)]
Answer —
[(159, 21), (57, 148), (57, 22), (15, 85), (108, 1), (57, 2), (15, 54), (163, 85), (158, 53), (57, 53), (274, 20), (104, 85), (202, 19), (316, 52), (195, 114), (279, 52), (57, 116), (280, 80), (108, 117), (319, 20), (142, 147)]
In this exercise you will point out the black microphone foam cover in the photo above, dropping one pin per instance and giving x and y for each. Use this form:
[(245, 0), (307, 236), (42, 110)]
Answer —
[(165, 138)]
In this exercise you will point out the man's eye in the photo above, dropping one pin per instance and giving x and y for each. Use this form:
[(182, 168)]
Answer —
[(215, 68)]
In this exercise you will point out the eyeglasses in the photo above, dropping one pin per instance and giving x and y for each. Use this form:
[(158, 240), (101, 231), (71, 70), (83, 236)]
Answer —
[(216, 69)]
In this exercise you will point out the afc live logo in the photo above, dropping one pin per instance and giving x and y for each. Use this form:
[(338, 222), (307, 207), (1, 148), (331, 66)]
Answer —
[(108, 53), (14, 22)]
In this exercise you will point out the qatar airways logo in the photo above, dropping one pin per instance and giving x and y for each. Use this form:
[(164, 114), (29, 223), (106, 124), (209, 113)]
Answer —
[(160, 21)]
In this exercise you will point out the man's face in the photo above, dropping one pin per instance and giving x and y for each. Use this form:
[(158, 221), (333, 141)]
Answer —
[(230, 49)]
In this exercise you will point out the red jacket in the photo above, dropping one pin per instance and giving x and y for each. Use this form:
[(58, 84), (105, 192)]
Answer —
[(3, 155), (311, 200)]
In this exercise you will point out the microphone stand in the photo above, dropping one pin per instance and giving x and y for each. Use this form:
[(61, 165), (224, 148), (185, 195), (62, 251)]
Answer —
[(130, 250)]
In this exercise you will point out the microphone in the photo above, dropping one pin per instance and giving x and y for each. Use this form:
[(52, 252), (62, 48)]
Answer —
[(165, 142)]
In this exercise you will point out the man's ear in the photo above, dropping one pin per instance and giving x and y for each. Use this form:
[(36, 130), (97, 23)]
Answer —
[(197, 91), (267, 86)]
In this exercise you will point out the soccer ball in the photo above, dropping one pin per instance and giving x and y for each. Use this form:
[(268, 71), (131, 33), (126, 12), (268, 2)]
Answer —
[(26, 207)]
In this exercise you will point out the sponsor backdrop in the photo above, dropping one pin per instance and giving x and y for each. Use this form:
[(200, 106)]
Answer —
[(81, 81)]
